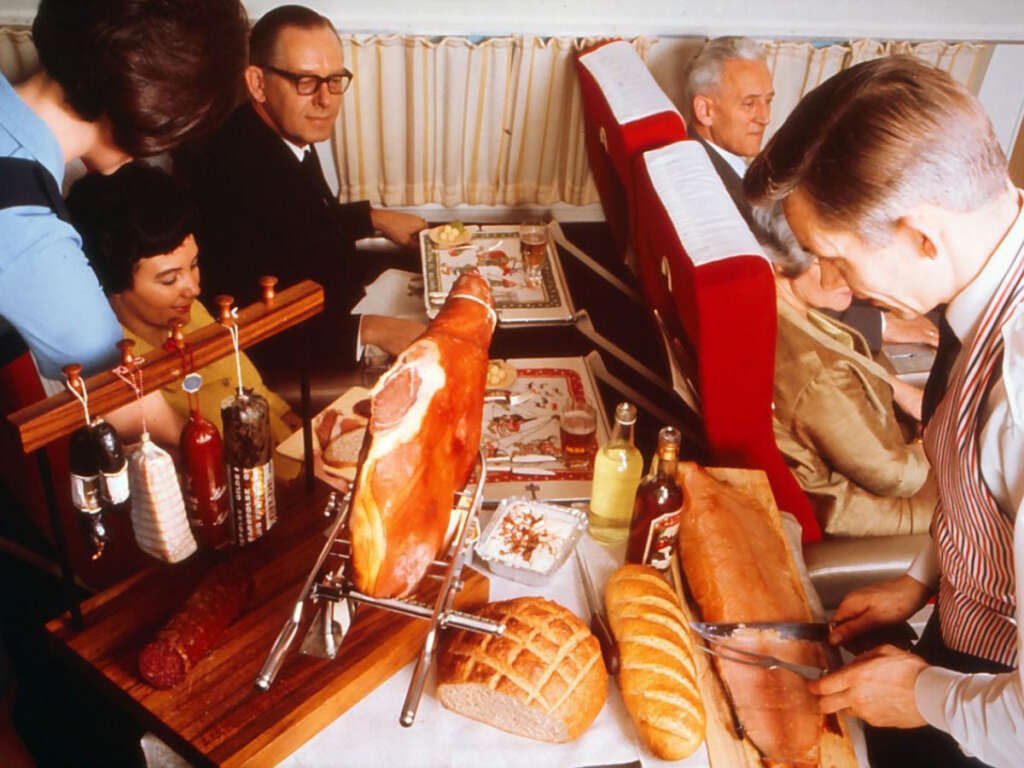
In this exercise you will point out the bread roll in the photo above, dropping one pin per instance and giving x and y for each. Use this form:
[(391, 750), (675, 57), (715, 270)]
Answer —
[(543, 678), (657, 675)]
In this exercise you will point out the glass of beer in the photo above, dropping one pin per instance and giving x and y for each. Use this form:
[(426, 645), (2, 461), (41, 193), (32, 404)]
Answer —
[(533, 246), (578, 427)]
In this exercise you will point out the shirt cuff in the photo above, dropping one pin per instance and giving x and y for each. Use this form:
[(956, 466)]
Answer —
[(932, 691), (925, 567)]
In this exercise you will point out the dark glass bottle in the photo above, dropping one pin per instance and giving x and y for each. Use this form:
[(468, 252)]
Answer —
[(113, 466), (204, 480), (655, 523), (84, 462)]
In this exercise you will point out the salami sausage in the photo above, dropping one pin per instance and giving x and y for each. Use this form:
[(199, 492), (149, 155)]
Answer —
[(220, 599)]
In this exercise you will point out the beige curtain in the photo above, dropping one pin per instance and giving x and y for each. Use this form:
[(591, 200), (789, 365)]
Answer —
[(799, 67), (18, 57), (455, 121)]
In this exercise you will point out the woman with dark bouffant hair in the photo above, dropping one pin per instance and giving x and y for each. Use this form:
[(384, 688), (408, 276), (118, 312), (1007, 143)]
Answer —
[(119, 79), (137, 231)]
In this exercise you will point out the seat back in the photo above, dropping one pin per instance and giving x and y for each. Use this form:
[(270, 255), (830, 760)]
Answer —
[(625, 113), (712, 276)]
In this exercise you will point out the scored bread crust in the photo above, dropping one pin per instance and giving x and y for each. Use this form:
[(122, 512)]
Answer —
[(657, 675), (542, 678)]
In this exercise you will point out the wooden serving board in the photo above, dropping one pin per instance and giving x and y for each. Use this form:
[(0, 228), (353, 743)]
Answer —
[(725, 748), (217, 716)]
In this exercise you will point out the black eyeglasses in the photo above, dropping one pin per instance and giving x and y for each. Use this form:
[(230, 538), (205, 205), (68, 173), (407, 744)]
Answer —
[(307, 85)]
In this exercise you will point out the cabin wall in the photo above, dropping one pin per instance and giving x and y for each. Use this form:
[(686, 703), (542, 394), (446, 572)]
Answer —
[(677, 27)]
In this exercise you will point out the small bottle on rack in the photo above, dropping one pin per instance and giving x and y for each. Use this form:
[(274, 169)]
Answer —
[(659, 499), (113, 466), (84, 462), (204, 478), (617, 469)]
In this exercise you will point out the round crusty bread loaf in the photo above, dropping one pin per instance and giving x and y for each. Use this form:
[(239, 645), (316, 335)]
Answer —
[(543, 678), (657, 674)]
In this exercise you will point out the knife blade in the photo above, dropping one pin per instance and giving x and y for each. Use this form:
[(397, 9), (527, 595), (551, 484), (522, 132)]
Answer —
[(598, 625), (523, 458), (817, 631), (519, 469)]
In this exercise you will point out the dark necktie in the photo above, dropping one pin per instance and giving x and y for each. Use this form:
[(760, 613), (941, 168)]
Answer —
[(314, 174), (938, 379)]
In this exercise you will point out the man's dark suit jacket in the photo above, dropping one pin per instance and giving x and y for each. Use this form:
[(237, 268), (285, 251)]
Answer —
[(263, 212), (866, 318)]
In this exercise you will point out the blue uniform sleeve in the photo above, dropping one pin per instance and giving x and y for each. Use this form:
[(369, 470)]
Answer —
[(51, 295)]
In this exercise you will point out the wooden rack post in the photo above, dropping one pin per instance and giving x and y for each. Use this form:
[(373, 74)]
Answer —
[(41, 423)]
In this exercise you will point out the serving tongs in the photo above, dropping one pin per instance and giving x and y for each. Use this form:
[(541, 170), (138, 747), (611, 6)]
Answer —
[(724, 650), (329, 587)]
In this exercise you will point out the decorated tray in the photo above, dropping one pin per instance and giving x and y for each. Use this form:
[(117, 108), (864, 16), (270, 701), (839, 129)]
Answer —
[(494, 250), (529, 430)]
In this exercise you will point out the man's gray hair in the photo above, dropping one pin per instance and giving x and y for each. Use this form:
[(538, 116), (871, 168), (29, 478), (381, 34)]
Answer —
[(705, 71), (778, 241)]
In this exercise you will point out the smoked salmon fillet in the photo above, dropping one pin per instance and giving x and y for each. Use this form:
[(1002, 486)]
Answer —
[(738, 569)]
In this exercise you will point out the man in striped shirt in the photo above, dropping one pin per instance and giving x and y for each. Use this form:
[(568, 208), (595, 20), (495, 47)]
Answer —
[(891, 173)]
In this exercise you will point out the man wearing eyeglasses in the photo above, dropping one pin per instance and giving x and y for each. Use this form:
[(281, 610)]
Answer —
[(266, 208)]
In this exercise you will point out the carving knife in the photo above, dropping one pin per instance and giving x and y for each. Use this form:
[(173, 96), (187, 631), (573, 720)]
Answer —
[(598, 624), (817, 631)]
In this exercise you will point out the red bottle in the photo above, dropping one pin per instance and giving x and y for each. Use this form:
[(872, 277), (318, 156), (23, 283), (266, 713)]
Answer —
[(204, 479)]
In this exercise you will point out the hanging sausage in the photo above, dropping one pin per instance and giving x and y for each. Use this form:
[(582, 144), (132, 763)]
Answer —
[(204, 478), (158, 510), (250, 468), (113, 466)]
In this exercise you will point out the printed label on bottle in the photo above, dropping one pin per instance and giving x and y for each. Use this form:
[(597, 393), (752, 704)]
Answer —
[(661, 540), (116, 485), (85, 492), (253, 506)]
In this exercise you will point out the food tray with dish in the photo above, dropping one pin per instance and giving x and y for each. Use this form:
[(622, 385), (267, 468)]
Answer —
[(494, 250), (527, 541), (338, 432), (522, 438)]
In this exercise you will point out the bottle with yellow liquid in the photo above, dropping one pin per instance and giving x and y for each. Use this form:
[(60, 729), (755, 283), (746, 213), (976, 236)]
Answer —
[(618, 466)]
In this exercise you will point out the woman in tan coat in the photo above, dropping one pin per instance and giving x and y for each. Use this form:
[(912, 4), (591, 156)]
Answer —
[(835, 412)]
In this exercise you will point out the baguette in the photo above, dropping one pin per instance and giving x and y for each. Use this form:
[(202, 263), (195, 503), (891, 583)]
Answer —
[(657, 674)]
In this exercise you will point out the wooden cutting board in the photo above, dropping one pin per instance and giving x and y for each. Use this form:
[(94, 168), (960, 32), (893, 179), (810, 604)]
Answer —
[(725, 748), (217, 716)]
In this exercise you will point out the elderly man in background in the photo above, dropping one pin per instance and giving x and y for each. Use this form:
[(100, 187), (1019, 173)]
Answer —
[(265, 206), (729, 100), (891, 172)]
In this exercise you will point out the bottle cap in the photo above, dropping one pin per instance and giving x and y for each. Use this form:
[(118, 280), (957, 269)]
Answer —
[(670, 435), (192, 383), (625, 413)]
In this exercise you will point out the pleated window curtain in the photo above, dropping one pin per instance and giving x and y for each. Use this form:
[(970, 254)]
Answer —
[(499, 121)]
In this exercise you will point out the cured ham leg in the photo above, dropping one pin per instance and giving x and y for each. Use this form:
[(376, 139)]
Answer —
[(425, 425), (738, 569)]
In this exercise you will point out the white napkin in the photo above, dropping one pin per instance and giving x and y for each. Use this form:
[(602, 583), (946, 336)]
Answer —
[(390, 295), (369, 733)]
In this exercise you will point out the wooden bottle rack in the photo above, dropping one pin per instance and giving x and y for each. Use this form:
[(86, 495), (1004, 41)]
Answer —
[(45, 421)]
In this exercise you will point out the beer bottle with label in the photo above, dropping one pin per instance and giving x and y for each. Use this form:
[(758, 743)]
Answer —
[(84, 463), (652, 532), (618, 466), (250, 468), (204, 478)]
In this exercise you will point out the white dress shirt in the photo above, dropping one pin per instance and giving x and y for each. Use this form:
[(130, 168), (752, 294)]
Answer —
[(735, 162), (985, 713)]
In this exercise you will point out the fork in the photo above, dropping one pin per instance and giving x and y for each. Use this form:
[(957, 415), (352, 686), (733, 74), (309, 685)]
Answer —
[(741, 656)]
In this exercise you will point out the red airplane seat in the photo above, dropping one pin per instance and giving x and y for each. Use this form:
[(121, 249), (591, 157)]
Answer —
[(625, 113), (690, 238)]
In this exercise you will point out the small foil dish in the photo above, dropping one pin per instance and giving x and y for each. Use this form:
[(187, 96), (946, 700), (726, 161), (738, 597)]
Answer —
[(527, 540)]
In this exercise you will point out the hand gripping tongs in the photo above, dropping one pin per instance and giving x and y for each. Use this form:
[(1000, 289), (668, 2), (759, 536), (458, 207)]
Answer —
[(329, 586)]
